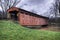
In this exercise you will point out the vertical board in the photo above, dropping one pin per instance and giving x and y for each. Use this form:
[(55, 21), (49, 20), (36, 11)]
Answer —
[(31, 20)]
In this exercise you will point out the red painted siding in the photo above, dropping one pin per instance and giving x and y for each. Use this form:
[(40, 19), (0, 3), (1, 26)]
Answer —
[(27, 19), (31, 20)]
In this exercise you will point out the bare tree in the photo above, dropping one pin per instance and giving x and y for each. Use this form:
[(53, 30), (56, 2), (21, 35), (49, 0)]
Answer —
[(55, 11), (6, 4), (59, 6), (57, 14)]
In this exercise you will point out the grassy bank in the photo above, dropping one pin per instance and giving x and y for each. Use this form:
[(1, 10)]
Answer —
[(12, 31)]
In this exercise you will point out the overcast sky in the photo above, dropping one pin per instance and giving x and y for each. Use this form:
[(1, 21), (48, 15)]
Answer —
[(40, 7)]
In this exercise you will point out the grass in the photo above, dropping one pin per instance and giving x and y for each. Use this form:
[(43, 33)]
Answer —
[(12, 31)]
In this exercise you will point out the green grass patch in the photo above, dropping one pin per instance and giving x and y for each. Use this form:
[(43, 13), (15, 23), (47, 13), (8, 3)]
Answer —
[(13, 31)]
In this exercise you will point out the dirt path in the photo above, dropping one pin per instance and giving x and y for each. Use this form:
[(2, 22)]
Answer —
[(51, 28)]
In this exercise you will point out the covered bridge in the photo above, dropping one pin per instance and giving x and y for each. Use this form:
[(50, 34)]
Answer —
[(27, 18)]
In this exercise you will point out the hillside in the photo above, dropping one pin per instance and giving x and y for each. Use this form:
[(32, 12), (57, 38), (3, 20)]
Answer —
[(13, 31)]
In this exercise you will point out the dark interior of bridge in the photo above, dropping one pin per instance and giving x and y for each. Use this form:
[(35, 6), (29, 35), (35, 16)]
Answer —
[(13, 15)]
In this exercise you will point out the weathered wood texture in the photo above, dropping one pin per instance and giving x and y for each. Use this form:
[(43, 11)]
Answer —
[(31, 20), (28, 18)]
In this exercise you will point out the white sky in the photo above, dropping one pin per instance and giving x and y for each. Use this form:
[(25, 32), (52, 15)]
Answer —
[(40, 7), (0, 9)]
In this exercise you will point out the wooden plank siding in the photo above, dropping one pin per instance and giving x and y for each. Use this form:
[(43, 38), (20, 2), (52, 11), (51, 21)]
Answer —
[(25, 19), (28, 18)]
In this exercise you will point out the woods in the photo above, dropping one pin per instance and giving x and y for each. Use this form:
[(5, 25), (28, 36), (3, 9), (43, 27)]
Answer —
[(7, 4)]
